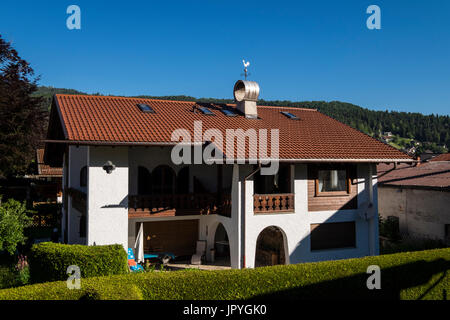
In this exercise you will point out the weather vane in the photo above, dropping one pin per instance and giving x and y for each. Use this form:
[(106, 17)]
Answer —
[(246, 64)]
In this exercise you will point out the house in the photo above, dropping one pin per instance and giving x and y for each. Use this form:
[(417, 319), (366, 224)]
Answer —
[(120, 175), (418, 196), (48, 179)]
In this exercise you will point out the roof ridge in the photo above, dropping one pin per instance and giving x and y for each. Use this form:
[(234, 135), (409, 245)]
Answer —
[(169, 100), (117, 97)]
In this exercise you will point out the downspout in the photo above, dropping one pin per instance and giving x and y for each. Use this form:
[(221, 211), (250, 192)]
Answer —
[(251, 174), (371, 227)]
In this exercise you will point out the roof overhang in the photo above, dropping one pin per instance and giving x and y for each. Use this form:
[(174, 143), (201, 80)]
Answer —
[(59, 154)]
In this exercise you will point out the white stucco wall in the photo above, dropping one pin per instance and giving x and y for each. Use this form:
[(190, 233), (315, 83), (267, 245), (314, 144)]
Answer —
[(107, 202), (296, 226)]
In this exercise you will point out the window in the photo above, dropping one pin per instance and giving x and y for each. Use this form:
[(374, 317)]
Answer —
[(332, 181), (206, 111), (145, 108), (229, 113), (83, 177), (290, 115), (333, 235)]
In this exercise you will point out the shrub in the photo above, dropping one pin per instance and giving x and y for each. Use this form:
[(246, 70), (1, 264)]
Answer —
[(13, 221), (410, 275), (411, 244), (389, 228), (49, 261)]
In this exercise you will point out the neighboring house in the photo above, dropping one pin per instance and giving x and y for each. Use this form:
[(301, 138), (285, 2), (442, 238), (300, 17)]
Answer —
[(419, 196), (119, 175), (428, 155), (51, 188)]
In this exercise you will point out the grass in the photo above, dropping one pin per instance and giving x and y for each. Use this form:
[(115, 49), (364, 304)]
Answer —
[(410, 275)]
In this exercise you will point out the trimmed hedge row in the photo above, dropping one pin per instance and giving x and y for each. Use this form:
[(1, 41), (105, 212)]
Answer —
[(411, 275), (49, 261)]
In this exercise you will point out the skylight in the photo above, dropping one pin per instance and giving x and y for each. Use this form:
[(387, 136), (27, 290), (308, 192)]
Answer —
[(146, 108), (229, 113), (290, 115), (206, 111)]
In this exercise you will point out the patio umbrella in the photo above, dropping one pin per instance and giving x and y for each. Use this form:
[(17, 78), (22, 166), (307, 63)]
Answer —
[(139, 244)]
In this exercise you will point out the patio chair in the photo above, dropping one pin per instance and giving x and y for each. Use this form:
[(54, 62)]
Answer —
[(200, 253), (134, 267)]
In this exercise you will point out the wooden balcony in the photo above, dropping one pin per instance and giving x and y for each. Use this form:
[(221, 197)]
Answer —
[(178, 205), (273, 203)]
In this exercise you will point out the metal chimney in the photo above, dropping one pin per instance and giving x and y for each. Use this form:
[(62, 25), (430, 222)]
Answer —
[(246, 94)]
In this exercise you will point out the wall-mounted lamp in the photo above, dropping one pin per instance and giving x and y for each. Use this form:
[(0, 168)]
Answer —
[(109, 167)]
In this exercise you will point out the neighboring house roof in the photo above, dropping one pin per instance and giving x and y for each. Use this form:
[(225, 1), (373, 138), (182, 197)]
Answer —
[(442, 157), (117, 120), (434, 175), (44, 170)]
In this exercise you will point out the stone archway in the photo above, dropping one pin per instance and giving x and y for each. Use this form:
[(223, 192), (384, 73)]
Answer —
[(271, 247)]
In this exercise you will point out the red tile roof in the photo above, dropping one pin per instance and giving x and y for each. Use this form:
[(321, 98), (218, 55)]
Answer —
[(118, 120), (442, 157), (45, 170), (430, 174)]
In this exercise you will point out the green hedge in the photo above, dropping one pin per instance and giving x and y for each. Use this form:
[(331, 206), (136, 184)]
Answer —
[(49, 261), (411, 275)]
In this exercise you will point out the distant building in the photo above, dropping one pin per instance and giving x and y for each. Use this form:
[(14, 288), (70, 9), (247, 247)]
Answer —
[(48, 185), (427, 155), (418, 196)]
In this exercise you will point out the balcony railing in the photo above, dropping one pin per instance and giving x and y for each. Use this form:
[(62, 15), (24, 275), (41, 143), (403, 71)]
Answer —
[(273, 203), (179, 204)]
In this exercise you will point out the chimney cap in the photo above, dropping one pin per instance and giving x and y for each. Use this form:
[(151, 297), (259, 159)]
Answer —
[(245, 90)]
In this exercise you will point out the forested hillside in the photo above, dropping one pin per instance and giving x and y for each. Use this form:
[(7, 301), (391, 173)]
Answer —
[(433, 131)]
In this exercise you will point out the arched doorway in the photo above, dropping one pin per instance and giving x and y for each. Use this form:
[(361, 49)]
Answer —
[(144, 181), (163, 180), (183, 181), (221, 246), (270, 247)]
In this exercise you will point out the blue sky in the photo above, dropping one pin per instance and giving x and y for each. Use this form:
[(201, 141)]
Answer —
[(298, 50)]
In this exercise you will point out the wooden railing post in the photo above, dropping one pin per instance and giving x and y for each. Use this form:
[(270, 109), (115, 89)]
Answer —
[(273, 203)]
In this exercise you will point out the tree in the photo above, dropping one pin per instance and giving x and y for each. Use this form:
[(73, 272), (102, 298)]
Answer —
[(22, 116), (13, 221)]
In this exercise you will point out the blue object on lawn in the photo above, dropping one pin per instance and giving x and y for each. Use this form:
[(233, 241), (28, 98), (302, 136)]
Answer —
[(137, 266), (131, 254), (158, 255)]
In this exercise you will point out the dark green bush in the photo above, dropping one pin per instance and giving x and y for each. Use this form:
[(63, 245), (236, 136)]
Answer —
[(389, 228), (409, 275), (49, 261)]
